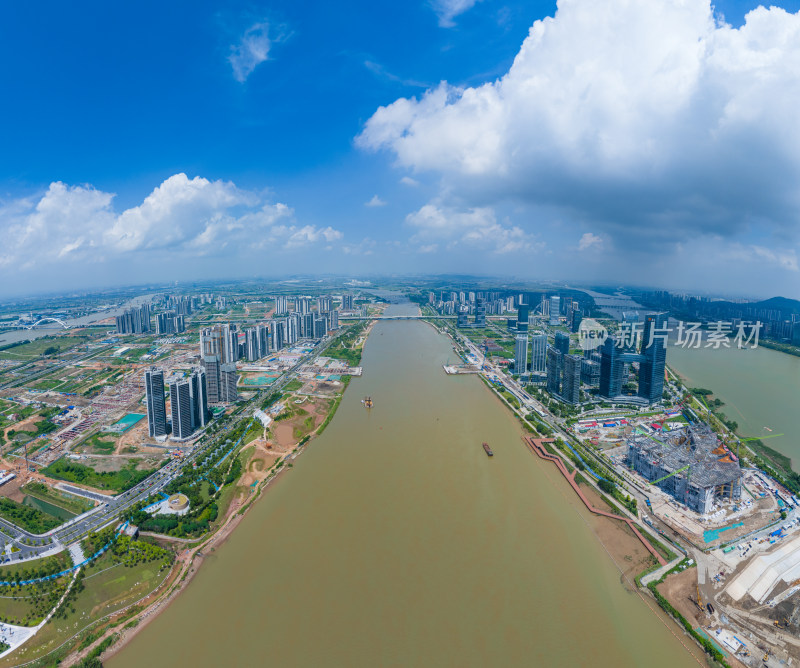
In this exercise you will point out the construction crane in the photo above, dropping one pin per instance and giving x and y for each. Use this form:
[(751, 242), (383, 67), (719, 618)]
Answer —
[(655, 482), (760, 438), (753, 438)]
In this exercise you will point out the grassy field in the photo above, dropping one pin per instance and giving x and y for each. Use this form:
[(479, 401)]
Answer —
[(28, 518), (99, 444), (37, 348), (293, 385), (107, 587), (28, 605), (47, 384), (256, 431), (116, 481), (778, 460), (36, 567), (73, 504)]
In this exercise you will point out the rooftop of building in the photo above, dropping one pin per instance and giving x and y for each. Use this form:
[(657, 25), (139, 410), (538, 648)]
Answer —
[(697, 446)]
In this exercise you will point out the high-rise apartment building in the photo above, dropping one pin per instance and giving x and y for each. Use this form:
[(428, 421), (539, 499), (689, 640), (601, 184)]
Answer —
[(134, 320), (561, 343), (181, 409), (252, 344), (281, 305), (611, 369), (198, 392), (555, 309), (278, 335), (654, 353), (480, 311), (571, 381), (538, 341), (590, 372), (156, 406), (307, 326), (228, 379), (324, 304), (320, 327), (544, 306), (521, 354), (554, 370), (211, 365), (165, 323)]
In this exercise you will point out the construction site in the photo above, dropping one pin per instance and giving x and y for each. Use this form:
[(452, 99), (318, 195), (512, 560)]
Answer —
[(690, 464)]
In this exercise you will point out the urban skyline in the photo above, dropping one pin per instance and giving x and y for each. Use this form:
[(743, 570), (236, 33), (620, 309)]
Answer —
[(455, 332)]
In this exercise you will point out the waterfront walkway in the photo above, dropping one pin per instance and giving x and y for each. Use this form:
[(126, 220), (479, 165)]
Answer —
[(537, 445)]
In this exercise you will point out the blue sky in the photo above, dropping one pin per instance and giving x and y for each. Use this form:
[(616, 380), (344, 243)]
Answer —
[(184, 140)]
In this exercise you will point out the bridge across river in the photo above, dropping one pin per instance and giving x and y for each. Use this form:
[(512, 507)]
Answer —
[(397, 317)]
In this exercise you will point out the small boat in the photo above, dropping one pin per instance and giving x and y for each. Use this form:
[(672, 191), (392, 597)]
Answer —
[(488, 449), (367, 401)]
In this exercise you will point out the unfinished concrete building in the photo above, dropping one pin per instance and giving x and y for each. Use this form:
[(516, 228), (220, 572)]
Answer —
[(689, 464)]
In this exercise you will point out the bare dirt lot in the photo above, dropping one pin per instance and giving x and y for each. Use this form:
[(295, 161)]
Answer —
[(306, 418), (324, 388), (680, 589), (27, 424)]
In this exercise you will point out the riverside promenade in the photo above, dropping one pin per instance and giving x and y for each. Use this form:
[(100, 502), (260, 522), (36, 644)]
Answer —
[(537, 446)]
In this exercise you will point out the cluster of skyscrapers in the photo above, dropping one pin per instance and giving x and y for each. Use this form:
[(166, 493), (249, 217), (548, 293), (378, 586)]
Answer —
[(456, 303), (171, 320), (564, 373), (134, 320), (170, 323), (651, 356), (480, 315), (563, 370), (188, 403)]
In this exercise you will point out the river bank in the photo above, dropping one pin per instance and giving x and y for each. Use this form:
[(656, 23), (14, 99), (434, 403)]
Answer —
[(265, 459), (624, 543), (437, 554), (758, 387)]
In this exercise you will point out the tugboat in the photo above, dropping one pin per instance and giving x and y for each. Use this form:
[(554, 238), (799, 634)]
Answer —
[(367, 401), (488, 449)]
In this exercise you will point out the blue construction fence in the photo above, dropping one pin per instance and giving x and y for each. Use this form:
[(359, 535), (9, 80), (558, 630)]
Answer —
[(55, 576), (588, 468), (235, 445), (156, 503)]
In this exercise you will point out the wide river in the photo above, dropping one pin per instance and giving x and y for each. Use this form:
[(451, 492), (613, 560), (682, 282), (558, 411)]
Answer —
[(760, 388), (395, 541)]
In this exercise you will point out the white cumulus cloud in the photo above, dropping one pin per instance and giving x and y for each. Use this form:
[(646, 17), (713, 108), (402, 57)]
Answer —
[(474, 227), (181, 219), (655, 120), (251, 50)]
